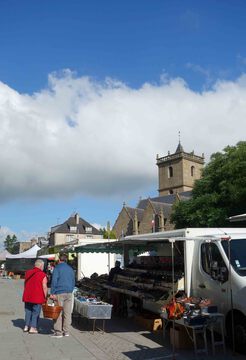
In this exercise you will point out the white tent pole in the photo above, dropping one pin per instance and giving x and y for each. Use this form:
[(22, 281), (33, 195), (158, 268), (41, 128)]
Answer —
[(231, 298), (172, 241)]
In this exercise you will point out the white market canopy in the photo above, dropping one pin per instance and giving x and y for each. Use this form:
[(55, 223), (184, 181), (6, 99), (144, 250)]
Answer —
[(30, 253)]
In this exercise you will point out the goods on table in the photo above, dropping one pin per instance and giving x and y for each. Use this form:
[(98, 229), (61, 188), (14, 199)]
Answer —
[(194, 310)]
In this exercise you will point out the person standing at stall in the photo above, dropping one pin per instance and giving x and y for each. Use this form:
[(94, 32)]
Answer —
[(114, 271), (34, 295), (116, 299), (62, 285)]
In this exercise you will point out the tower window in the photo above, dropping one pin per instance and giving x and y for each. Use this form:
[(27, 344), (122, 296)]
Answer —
[(170, 171), (192, 170), (170, 191)]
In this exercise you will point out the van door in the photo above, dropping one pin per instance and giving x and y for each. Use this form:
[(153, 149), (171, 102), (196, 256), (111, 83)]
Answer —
[(211, 276)]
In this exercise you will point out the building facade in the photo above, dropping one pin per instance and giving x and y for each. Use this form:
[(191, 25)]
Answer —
[(73, 231), (176, 173), (150, 215)]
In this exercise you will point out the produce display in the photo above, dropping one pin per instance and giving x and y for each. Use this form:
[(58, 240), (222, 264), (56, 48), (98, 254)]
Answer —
[(92, 288), (148, 279)]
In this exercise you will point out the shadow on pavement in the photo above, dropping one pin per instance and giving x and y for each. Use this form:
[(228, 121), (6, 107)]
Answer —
[(148, 353), (45, 326), (114, 325), (156, 336), (20, 323)]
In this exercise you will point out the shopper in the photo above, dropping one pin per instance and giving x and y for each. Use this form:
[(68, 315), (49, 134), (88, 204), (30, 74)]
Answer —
[(34, 295), (114, 271), (62, 285), (115, 298)]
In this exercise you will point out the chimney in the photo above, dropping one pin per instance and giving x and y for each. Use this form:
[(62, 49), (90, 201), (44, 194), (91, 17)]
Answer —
[(77, 219)]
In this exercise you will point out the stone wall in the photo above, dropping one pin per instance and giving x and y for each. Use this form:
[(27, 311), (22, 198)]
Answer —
[(123, 224), (182, 178)]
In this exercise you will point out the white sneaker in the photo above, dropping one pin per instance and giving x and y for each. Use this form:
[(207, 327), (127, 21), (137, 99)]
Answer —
[(66, 334)]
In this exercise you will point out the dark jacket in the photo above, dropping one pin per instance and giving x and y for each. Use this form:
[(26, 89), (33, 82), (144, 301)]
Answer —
[(114, 271)]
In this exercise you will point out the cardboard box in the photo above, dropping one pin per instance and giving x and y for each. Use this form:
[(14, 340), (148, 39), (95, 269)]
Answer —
[(149, 322), (180, 338)]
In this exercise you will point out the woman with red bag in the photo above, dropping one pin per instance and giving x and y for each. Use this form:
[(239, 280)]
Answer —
[(34, 295)]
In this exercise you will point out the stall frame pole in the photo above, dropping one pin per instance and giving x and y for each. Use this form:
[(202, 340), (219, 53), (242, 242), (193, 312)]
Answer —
[(172, 241)]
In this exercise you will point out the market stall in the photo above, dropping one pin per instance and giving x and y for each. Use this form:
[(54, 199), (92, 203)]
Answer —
[(147, 279), (19, 263), (195, 316)]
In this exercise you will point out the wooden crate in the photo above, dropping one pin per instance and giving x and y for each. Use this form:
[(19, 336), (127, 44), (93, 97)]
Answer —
[(180, 338), (149, 322)]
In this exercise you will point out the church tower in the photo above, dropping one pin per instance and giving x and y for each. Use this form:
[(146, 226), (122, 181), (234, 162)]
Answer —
[(177, 172)]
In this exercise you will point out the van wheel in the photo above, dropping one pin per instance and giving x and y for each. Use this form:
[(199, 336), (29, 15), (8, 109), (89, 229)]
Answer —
[(239, 333)]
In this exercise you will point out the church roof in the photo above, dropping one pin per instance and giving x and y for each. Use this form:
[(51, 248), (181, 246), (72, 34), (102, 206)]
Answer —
[(131, 212), (179, 148), (165, 208), (167, 199)]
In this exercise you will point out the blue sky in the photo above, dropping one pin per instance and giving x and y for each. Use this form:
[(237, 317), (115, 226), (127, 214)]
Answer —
[(134, 41), (91, 91)]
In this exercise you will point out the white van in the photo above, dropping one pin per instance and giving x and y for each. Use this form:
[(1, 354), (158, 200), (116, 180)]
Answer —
[(208, 273)]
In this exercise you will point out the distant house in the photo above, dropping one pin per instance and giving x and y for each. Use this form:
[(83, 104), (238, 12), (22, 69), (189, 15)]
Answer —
[(42, 241), (73, 231)]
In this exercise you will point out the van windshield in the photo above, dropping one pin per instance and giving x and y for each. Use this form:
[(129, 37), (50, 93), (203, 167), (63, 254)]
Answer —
[(238, 254)]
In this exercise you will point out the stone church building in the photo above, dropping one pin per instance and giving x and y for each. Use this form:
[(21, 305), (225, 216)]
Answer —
[(176, 173)]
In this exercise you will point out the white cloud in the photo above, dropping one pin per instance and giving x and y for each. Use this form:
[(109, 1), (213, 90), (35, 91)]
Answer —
[(80, 136), (206, 73), (199, 69)]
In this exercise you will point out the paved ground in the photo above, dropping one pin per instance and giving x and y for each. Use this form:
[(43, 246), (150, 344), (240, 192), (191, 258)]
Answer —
[(122, 340)]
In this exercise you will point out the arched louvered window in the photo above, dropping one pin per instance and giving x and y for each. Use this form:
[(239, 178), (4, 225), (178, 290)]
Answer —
[(170, 171)]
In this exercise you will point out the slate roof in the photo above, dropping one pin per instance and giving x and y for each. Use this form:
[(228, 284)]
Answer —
[(131, 212), (167, 199), (166, 208), (81, 227), (179, 148)]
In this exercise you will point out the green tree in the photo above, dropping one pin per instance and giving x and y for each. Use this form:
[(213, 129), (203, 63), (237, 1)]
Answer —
[(10, 242), (108, 235), (220, 193)]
